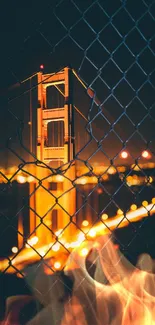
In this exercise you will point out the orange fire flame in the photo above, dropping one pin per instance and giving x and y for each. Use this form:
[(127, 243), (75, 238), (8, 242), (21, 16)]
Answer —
[(128, 297), (115, 293)]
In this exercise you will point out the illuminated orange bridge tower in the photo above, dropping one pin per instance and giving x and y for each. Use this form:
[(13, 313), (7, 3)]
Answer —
[(54, 200)]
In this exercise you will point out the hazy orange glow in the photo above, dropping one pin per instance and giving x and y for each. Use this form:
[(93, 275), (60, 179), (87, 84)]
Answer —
[(23, 177), (102, 228), (28, 255)]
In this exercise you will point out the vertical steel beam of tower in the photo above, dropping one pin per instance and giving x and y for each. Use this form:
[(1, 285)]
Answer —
[(70, 197), (52, 123), (32, 185)]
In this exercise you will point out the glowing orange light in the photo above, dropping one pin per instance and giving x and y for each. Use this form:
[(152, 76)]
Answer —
[(112, 170), (145, 154), (104, 216), (56, 247), (59, 178), (99, 191), (21, 179), (80, 238), (85, 223), (67, 245), (150, 179), (42, 252), (153, 200), (32, 241), (119, 212), (92, 233), (57, 265), (58, 233), (30, 179), (14, 249), (84, 251), (83, 181), (105, 177), (124, 154), (145, 203), (133, 207)]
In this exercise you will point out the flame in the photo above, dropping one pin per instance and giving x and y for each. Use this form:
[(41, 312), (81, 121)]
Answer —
[(129, 296), (117, 293)]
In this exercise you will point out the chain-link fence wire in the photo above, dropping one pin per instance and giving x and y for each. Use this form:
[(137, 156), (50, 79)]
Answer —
[(110, 46)]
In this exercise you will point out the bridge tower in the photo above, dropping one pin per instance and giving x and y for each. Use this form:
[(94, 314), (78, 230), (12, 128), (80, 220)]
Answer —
[(54, 199)]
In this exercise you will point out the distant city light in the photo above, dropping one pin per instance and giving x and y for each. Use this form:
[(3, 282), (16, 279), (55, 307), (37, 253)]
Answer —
[(55, 247), (80, 237), (57, 265), (92, 233), (21, 179), (124, 154), (30, 179), (104, 216), (119, 212), (145, 203), (105, 177), (84, 251), (42, 252), (59, 178), (150, 179), (83, 181), (111, 170), (133, 207), (59, 233), (32, 241), (14, 250), (146, 154), (153, 200), (85, 223), (99, 191)]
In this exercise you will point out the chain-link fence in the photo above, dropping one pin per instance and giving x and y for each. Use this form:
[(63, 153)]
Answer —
[(77, 136)]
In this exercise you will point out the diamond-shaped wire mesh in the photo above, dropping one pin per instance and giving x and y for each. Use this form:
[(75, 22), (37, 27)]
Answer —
[(109, 47)]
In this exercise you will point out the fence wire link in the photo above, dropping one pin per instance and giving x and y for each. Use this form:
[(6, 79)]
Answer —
[(110, 46)]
